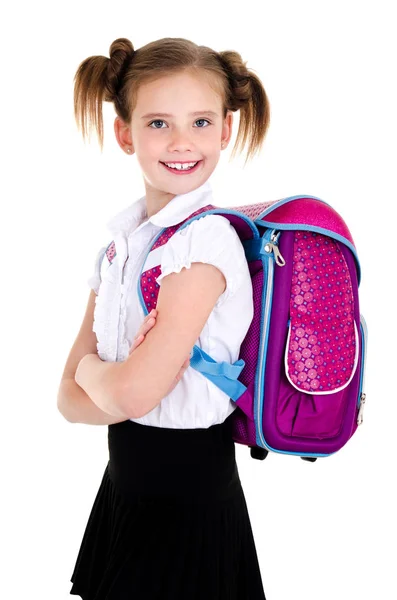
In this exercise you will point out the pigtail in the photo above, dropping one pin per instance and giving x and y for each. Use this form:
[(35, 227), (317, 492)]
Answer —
[(99, 79), (247, 94)]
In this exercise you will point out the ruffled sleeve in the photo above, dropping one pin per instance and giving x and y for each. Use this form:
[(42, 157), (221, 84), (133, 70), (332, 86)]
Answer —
[(95, 280), (213, 240)]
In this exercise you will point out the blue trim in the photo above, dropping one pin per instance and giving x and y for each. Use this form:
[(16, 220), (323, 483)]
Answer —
[(224, 211), (104, 250), (328, 232), (267, 298), (262, 360), (145, 311), (364, 338)]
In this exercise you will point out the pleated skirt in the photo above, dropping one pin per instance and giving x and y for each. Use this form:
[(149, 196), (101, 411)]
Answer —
[(169, 520)]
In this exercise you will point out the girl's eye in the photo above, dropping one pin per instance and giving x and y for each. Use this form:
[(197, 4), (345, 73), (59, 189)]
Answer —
[(160, 121), (201, 120), (157, 121)]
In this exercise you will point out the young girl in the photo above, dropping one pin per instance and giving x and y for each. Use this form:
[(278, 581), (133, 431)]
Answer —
[(170, 520)]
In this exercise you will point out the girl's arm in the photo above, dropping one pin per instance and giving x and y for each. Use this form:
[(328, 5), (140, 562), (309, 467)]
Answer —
[(133, 387), (77, 407), (101, 380), (184, 304), (72, 401)]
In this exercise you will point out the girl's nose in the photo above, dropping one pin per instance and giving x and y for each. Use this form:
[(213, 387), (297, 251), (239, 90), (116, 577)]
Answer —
[(180, 141)]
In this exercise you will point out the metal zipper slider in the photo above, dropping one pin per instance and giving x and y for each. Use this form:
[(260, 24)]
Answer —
[(272, 247), (361, 409)]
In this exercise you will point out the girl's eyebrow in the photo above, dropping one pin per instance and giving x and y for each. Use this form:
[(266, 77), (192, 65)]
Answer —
[(193, 114)]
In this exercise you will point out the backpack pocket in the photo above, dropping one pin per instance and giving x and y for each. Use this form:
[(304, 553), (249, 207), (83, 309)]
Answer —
[(322, 347)]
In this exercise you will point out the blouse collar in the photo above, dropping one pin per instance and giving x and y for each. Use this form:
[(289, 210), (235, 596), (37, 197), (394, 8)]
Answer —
[(178, 209)]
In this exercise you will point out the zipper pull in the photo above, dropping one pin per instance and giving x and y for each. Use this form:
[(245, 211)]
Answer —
[(361, 409), (272, 248)]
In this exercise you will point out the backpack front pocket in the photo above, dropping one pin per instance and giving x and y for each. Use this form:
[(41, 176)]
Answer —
[(322, 347)]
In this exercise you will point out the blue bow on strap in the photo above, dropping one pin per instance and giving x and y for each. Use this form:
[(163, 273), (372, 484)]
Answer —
[(224, 375)]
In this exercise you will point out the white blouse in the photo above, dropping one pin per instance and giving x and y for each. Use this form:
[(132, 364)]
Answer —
[(195, 402)]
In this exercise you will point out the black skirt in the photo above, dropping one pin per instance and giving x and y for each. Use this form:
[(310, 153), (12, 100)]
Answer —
[(169, 520)]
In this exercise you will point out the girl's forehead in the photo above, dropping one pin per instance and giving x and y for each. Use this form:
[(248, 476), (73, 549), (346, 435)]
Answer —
[(178, 80), (178, 89)]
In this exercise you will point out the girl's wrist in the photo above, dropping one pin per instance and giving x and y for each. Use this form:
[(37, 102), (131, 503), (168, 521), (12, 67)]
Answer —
[(82, 369), (97, 378)]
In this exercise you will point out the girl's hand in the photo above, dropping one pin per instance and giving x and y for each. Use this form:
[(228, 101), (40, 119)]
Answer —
[(146, 326)]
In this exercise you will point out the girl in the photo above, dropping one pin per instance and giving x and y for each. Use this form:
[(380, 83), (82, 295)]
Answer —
[(170, 519)]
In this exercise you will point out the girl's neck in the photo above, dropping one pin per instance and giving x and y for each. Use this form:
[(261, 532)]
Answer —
[(155, 203), (156, 200)]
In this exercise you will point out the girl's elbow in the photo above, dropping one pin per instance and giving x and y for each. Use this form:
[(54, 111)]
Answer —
[(134, 398), (126, 403), (64, 409), (136, 402)]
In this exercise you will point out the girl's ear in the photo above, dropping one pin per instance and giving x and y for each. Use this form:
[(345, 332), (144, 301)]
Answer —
[(227, 128), (123, 135)]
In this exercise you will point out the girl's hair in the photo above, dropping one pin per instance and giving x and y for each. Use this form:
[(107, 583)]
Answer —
[(117, 79)]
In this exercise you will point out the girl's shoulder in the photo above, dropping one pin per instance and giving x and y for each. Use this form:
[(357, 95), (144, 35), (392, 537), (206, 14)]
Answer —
[(210, 239)]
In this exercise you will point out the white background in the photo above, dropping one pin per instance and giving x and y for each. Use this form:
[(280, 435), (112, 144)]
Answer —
[(323, 530)]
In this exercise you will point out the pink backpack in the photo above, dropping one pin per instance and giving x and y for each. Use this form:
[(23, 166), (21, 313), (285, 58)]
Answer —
[(299, 382)]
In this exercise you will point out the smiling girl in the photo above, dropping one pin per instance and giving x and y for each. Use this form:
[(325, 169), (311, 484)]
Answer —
[(170, 519)]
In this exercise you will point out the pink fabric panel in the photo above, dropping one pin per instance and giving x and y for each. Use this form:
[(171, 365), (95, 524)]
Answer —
[(322, 343), (309, 211), (150, 287), (253, 210), (111, 251)]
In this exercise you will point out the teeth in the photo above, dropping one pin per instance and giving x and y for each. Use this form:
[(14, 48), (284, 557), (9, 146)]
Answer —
[(181, 166)]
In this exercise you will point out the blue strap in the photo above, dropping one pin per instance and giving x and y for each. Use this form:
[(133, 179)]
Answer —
[(224, 375), (254, 248)]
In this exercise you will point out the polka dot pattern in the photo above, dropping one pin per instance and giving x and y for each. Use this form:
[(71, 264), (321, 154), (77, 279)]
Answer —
[(322, 345), (111, 251), (253, 211), (150, 287), (148, 283)]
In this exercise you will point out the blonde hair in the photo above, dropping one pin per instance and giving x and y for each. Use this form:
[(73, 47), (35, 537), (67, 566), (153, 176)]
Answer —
[(117, 79)]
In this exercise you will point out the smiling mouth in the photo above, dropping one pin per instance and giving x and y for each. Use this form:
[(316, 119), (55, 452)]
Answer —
[(181, 167)]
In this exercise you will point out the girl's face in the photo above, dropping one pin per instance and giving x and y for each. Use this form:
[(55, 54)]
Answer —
[(177, 119)]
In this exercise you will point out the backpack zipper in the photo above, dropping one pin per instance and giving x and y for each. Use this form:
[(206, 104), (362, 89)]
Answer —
[(362, 395), (272, 247), (274, 255)]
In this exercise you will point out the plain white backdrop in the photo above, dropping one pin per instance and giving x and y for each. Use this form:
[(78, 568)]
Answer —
[(323, 530)]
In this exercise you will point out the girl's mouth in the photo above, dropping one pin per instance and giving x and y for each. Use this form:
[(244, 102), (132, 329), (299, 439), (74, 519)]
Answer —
[(180, 169)]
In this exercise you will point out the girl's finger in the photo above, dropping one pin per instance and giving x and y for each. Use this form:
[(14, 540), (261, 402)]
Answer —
[(153, 313), (145, 327), (136, 342)]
